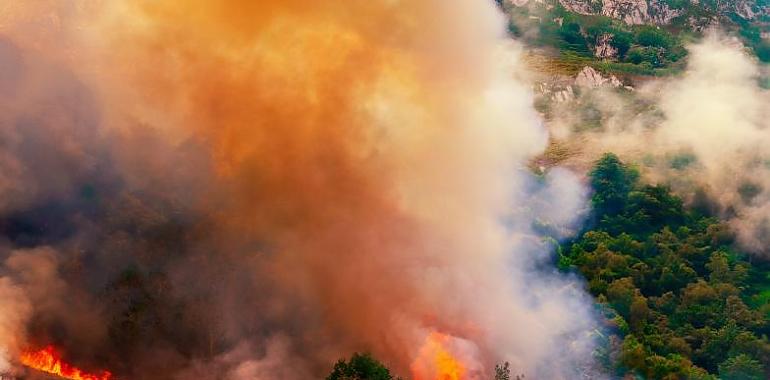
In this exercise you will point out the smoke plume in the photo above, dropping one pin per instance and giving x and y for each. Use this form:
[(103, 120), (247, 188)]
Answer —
[(252, 190)]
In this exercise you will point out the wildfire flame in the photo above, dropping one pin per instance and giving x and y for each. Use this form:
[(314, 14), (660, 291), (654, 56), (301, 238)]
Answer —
[(436, 362), (48, 360)]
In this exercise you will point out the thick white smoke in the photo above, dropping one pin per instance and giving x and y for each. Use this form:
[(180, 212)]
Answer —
[(705, 131)]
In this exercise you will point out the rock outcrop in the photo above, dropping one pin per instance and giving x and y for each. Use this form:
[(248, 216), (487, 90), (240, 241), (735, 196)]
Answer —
[(557, 91), (660, 13), (590, 78), (632, 12), (563, 95), (604, 48), (583, 7), (744, 8), (521, 3)]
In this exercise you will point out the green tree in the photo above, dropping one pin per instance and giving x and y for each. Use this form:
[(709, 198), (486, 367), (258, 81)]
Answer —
[(653, 36), (741, 367), (611, 181), (360, 367), (639, 313), (621, 294), (622, 41), (645, 55)]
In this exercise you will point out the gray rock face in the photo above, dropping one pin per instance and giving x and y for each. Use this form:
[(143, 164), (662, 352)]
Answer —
[(564, 95), (660, 13), (556, 91), (603, 47), (744, 8), (590, 78), (583, 7), (632, 12), (519, 3), (637, 12)]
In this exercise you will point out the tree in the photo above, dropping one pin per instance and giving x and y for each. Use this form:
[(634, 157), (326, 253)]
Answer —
[(622, 41), (719, 268), (741, 367), (639, 313), (621, 294), (360, 367), (648, 55), (632, 353), (611, 181), (503, 371)]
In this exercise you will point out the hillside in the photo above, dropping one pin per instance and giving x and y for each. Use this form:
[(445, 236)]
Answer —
[(665, 256)]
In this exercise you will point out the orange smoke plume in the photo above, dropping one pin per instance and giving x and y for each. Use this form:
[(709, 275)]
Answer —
[(436, 362), (48, 360), (355, 160)]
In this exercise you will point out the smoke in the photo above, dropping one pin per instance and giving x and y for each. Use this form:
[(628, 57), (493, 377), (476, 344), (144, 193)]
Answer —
[(703, 132), (253, 190), (240, 363), (719, 114), (13, 316), (34, 295)]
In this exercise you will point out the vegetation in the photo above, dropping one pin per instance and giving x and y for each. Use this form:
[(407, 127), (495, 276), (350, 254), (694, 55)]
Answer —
[(681, 302), (360, 367), (365, 367), (641, 50)]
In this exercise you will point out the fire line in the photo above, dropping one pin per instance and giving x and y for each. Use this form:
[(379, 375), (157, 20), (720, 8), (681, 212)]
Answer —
[(49, 361)]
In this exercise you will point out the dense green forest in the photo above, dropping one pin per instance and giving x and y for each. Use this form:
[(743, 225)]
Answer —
[(680, 301)]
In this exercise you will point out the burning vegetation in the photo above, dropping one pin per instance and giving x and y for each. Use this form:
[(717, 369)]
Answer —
[(49, 361), (436, 362)]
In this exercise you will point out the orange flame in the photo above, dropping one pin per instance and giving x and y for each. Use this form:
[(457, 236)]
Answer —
[(436, 362), (48, 360)]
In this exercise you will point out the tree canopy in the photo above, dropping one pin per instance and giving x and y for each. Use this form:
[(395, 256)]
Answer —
[(360, 367), (680, 301)]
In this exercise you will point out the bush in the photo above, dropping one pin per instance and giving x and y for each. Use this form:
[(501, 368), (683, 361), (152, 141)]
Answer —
[(641, 55), (653, 37)]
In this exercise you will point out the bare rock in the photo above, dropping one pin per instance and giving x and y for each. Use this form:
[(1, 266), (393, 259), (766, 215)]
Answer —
[(604, 48), (583, 7), (632, 12), (564, 95), (556, 91), (661, 14), (590, 78)]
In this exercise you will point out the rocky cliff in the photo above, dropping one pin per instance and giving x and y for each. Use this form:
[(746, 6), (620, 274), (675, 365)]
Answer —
[(659, 12)]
